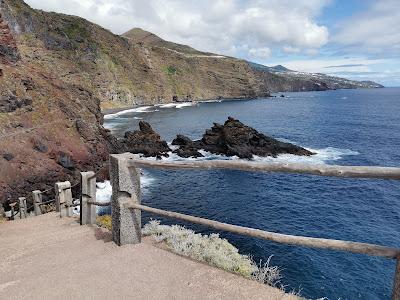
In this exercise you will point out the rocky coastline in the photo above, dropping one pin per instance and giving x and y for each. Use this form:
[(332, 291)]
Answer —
[(233, 138)]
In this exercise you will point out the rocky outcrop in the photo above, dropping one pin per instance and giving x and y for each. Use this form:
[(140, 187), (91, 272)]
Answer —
[(11, 103), (187, 148), (145, 141), (8, 46), (236, 139), (231, 139)]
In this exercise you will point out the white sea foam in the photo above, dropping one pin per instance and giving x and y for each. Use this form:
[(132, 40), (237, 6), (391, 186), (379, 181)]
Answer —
[(321, 156), (168, 105), (212, 101), (104, 191), (142, 109), (177, 105), (148, 109)]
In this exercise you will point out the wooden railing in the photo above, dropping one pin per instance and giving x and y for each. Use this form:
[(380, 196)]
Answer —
[(126, 206)]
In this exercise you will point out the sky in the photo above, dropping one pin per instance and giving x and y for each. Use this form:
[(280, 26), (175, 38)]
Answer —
[(356, 39)]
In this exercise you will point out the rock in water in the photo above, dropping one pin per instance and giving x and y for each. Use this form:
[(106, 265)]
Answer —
[(145, 141), (236, 139), (187, 147)]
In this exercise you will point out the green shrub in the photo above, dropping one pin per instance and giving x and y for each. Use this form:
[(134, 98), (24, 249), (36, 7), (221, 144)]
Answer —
[(171, 70)]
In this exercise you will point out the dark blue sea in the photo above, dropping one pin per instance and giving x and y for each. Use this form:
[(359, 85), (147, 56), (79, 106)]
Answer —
[(344, 127)]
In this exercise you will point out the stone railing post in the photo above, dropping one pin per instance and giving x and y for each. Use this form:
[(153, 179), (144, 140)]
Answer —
[(63, 198), (125, 181), (88, 185), (37, 200), (22, 207)]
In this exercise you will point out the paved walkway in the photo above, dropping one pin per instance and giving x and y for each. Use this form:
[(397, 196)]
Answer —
[(47, 257)]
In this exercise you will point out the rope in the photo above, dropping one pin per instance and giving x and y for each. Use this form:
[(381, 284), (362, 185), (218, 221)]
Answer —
[(99, 203), (98, 171), (47, 202), (48, 190), (76, 184)]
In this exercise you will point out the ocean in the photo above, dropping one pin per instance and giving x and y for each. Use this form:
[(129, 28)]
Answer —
[(344, 127)]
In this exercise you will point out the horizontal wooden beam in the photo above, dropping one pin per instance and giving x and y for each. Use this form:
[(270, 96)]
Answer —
[(322, 170), (363, 248)]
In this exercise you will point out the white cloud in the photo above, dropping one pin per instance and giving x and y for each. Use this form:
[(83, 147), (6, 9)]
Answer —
[(262, 53), (375, 30), (290, 49), (221, 26)]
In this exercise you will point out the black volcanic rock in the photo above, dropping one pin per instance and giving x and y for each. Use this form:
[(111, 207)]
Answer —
[(145, 141), (236, 139), (188, 151), (65, 160), (8, 156), (10, 103), (182, 140), (187, 147)]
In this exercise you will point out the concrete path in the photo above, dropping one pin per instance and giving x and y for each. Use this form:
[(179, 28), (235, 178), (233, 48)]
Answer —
[(47, 257)]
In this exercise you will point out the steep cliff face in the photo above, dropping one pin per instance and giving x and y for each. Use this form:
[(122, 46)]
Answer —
[(120, 70), (50, 129)]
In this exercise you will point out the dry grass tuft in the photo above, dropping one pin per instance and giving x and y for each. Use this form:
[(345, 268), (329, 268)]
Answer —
[(213, 250), (104, 221)]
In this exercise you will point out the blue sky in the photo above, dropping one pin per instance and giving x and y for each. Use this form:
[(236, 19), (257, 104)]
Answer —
[(353, 39)]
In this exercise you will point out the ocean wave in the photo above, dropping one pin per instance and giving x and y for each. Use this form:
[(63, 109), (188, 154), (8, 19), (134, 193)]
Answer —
[(177, 105), (104, 192), (211, 101), (141, 109)]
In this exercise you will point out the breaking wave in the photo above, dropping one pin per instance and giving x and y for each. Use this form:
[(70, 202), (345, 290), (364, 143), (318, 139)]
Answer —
[(178, 105), (104, 192), (148, 109), (141, 109), (321, 156)]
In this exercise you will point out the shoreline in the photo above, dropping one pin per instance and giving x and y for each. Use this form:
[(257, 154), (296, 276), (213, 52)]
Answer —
[(110, 111)]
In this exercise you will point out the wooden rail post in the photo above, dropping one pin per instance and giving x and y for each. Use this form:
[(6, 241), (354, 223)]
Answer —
[(37, 200), (63, 197), (396, 283), (22, 207), (125, 181), (88, 195)]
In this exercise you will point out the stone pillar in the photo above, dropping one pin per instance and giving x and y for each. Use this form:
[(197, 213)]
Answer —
[(12, 205), (22, 207), (63, 198), (88, 211), (37, 199), (125, 181)]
